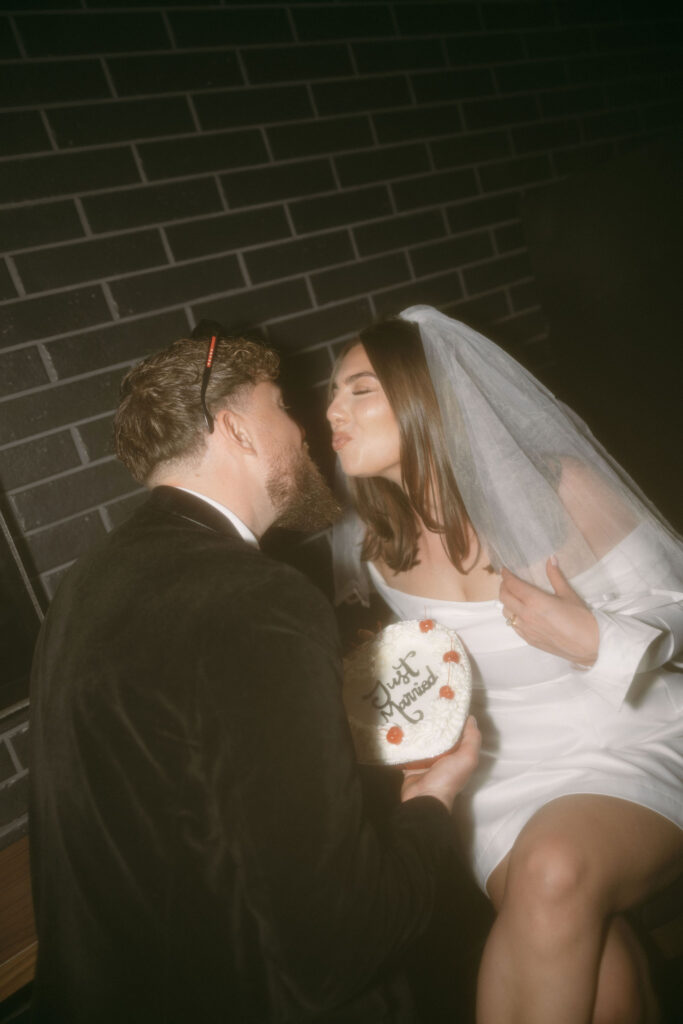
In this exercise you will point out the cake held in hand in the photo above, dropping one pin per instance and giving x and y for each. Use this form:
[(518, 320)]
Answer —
[(407, 694)]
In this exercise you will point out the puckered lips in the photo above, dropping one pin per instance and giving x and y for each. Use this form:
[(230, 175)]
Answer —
[(339, 440)]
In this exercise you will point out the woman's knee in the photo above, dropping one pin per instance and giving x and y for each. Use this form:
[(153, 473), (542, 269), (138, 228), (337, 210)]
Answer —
[(552, 875)]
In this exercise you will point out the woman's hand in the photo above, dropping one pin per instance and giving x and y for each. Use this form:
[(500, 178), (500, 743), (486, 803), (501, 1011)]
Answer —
[(560, 623)]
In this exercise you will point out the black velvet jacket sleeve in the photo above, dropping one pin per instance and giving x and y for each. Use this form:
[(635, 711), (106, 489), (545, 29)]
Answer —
[(334, 904), (200, 846)]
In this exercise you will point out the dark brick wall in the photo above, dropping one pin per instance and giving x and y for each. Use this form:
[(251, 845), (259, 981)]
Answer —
[(291, 168)]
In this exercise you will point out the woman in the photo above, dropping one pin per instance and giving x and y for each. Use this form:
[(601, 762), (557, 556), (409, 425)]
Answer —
[(486, 505)]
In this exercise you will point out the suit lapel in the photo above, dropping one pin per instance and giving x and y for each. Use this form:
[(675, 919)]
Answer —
[(176, 502)]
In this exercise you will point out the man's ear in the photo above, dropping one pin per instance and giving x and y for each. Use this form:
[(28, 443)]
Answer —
[(234, 427)]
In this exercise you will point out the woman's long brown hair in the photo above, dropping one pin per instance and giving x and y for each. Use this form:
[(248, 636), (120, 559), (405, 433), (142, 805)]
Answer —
[(430, 491)]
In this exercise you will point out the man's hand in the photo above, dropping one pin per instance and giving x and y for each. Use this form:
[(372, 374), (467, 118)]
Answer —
[(560, 623), (447, 776)]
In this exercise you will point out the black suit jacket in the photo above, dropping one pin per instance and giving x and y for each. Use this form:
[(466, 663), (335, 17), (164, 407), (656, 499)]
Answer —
[(200, 847)]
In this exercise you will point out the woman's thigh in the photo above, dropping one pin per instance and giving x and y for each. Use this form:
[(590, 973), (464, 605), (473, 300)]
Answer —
[(629, 850)]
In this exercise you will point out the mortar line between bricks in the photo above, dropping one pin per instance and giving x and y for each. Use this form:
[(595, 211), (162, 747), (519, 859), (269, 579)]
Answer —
[(193, 114), (16, 763), (9, 445), (327, 307), (290, 219), (141, 273), (17, 37), (51, 386), (108, 79), (129, 230), (8, 783), (252, 129), (411, 265), (310, 158), (373, 129), (411, 92), (221, 195), (166, 245), (519, 312), (508, 301), (242, 67), (80, 446), (430, 157), (292, 24), (46, 358), (312, 100), (198, 50), (142, 97), (112, 305), (87, 510), (179, 264), (237, 253), (242, 264), (133, 318), (335, 173), (500, 288), (14, 826), (82, 216), (190, 319), (15, 276), (214, 214), (138, 163), (169, 29), (266, 143), (48, 129), (203, 298), (62, 475), (310, 290), (17, 730), (105, 518), (352, 59)]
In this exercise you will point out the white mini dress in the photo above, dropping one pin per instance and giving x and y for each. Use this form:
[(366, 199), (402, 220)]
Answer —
[(550, 729)]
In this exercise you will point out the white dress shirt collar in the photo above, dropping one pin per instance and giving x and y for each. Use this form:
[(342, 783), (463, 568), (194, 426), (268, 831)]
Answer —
[(243, 530)]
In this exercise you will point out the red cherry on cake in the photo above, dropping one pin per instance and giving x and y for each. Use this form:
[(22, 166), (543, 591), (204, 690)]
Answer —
[(426, 625), (395, 734), (446, 692), (451, 656)]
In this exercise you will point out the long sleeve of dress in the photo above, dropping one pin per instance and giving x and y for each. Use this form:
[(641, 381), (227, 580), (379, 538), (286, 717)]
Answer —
[(639, 633)]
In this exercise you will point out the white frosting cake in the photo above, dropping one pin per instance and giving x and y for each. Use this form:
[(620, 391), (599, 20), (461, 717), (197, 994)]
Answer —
[(407, 693)]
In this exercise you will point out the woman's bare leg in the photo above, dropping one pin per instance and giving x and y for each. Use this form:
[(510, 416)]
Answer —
[(624, 990), (556, 952)]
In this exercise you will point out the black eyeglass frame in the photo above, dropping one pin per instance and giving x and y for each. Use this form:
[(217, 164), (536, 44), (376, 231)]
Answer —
[(205, 382)]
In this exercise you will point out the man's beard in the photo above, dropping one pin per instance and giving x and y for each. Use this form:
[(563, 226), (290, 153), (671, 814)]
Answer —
[(300, 496)]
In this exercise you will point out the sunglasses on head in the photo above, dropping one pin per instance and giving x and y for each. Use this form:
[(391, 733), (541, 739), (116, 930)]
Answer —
[(205, 382)]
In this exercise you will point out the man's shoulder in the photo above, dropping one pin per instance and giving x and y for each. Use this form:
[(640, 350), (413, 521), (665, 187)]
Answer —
[(265, 581)]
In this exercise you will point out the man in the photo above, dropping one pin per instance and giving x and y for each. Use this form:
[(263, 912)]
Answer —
[(200, 848)]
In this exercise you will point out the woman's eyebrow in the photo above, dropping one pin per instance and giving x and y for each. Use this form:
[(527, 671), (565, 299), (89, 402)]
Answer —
[(355, 376), (351, 378)]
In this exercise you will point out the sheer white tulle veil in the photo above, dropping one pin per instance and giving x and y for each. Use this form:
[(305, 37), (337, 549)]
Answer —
[(534, 480)]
